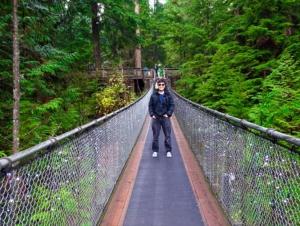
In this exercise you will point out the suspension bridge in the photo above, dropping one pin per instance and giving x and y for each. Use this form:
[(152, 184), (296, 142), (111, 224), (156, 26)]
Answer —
[(224, 171)]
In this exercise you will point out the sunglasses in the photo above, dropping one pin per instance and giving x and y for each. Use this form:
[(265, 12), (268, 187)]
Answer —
[(161, 84)]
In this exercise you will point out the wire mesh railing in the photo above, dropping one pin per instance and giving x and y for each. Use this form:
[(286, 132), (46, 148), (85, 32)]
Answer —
[(68, 180), (126, 72), (254, 177)]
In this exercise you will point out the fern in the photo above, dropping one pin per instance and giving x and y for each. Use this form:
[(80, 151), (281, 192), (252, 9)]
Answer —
[(52, 105), (279, 101)]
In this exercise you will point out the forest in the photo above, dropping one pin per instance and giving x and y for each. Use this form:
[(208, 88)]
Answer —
[(237, 57)]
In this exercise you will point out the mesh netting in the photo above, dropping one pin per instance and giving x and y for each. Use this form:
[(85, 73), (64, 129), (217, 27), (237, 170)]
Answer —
[(70, 183), (255, 179)]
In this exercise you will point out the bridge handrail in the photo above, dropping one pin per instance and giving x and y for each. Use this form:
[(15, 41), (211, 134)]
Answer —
[(8, 161), (272, 133), (129, 72), (254, 178), (68, 179)]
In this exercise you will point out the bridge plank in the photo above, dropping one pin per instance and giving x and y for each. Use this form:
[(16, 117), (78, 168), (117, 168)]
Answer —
[(162, 194), (209, 207), (115, 213)]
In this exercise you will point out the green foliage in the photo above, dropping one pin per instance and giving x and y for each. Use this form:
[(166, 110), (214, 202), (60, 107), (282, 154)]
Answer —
[(119, 21), (113, 97), (152, 34), (53, 212), (238, 57), (278, 105), (55, 45)]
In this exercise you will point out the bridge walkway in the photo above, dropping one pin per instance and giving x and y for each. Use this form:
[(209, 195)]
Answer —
[(162, 191)]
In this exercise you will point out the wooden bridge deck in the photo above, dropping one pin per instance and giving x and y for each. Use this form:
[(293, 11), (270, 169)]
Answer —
[(163, 191)]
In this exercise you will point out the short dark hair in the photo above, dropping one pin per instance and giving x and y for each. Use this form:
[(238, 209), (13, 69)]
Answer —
[(161, 80)]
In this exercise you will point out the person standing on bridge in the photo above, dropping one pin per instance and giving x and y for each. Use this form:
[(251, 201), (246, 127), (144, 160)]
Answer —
[(160, 71), (161, 108), (155, 71)]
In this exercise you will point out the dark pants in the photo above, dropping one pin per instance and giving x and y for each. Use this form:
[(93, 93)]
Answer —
[(165, 123)]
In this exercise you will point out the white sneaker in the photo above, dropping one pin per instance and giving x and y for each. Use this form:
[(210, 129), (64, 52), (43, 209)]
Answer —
[(154, 154), (169, 155)]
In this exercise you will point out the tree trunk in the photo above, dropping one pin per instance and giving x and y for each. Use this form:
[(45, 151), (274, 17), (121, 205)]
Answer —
[(16, 82), (95, 33), (154, 6), (138, 57)]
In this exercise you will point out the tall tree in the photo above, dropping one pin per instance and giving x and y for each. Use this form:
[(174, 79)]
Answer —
[(152, 33), (138, 56), (51, 66), (16, 80), (95, 34)]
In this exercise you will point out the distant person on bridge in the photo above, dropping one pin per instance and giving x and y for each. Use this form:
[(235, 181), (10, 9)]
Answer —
[(145, 71), (160, 71), (161, 108), (155, 70)]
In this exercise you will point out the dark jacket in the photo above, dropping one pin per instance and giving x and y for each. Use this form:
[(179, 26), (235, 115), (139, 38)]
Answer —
[(159, 109)]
